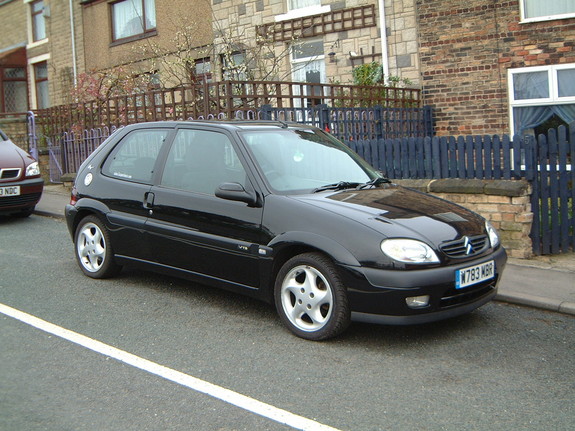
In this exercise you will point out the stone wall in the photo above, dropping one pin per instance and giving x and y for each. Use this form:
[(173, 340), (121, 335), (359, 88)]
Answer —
[(465, 51), (505, 204)]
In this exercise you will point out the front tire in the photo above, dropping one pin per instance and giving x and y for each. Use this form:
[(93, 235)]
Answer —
[(310, 297), (93, 249)]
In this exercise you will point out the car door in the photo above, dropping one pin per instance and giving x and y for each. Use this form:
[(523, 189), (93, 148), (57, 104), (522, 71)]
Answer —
[(127, 176), (193, 230)]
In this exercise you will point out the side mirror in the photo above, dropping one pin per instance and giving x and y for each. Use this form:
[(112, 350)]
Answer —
[(235, 192)]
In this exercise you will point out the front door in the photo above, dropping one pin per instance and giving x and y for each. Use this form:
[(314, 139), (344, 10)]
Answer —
[(193, 230)]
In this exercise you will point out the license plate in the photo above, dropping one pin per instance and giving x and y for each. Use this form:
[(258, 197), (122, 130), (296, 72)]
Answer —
[(9, 191), (474, 274)]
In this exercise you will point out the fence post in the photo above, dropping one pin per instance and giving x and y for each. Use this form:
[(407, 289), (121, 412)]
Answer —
[(32, 138), (428, 121), (266, 112), (378, 118), (323, 112)]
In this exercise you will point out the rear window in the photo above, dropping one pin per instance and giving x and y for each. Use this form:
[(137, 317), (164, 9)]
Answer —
[(134, 157)]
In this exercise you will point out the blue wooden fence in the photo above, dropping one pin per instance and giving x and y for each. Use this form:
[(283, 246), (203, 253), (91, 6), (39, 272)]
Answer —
[(485, 157), (546, 162)]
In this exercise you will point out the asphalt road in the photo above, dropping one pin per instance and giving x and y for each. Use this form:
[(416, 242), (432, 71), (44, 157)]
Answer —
[(502, 367)]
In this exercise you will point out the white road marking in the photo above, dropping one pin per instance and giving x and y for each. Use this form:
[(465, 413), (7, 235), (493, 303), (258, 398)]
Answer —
[(223, 394)]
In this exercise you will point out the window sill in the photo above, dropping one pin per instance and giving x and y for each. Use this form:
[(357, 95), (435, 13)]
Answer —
[(546, 18), (37, 43), (134, 38)]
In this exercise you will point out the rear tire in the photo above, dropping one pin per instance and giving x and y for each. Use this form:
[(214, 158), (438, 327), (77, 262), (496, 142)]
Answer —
[(310, 297), (93, 249)]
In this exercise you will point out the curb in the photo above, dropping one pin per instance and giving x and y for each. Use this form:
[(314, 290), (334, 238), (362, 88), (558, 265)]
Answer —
[(563, 307)]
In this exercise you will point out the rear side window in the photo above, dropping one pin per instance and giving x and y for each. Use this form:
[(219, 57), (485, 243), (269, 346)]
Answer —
[(134, 157)]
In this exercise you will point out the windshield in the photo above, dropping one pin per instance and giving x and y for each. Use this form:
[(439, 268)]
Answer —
[(304, 160)]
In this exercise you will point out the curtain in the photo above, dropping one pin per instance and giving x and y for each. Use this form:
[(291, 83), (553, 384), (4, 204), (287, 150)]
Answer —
[(565, 112), (150, 9), (127, 16), (528, 117)]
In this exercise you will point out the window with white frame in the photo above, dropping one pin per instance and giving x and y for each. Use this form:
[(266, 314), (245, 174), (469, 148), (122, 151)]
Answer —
[(541, 10), (133, 18), (300, 8), (308, 65), (38, 21), (540, 95)]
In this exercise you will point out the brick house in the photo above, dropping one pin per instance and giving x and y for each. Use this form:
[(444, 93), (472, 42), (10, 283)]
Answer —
[(40, 53), (492, 67)]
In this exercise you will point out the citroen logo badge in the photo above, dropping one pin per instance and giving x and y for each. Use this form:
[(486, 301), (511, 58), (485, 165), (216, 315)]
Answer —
[(467, 245)]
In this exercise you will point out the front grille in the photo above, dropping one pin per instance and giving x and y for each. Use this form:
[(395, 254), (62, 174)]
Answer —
[(9, 173), (465, 247), (12, 201)]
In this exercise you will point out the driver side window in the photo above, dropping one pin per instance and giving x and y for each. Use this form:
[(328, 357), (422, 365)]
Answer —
[(200, 160)]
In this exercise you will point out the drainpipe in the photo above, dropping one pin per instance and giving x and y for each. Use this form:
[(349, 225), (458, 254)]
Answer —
[(73, 31), (383, 36)]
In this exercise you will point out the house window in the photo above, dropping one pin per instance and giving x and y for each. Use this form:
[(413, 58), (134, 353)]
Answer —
[(14, 89), (234, 67), (308, 65), (38, 22), (133, 19), (540, 96), (203, 70), (41, 85), (300, 4), (541, 10)]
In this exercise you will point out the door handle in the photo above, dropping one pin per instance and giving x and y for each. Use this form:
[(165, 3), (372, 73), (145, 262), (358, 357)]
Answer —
[(148, 200)]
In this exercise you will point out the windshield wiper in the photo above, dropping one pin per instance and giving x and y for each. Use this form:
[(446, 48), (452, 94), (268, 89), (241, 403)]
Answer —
[(374, 183), (337, 186)]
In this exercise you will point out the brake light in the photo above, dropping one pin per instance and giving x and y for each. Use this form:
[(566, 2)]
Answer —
[(73, 196)]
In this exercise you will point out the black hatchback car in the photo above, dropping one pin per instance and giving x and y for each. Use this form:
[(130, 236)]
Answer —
[(284, 213)]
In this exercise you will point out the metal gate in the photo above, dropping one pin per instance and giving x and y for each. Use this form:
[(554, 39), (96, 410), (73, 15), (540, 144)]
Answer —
[(551, 174)]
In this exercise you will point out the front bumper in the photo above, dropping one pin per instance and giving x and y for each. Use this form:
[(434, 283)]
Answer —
[(30, 193), (379, 296)]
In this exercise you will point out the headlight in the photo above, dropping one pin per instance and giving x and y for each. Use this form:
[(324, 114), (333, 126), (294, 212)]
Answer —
[(409, 251), (493, 236), (33, 169)]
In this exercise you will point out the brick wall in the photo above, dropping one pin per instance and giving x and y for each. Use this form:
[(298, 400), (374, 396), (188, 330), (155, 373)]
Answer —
[(505, 204), (465, 51)]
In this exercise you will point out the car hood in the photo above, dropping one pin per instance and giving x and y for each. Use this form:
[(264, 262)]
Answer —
[(11, 156), (399, 212)]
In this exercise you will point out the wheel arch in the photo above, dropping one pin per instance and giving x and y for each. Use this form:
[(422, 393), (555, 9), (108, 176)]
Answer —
[(290, 244), (84, 208)]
